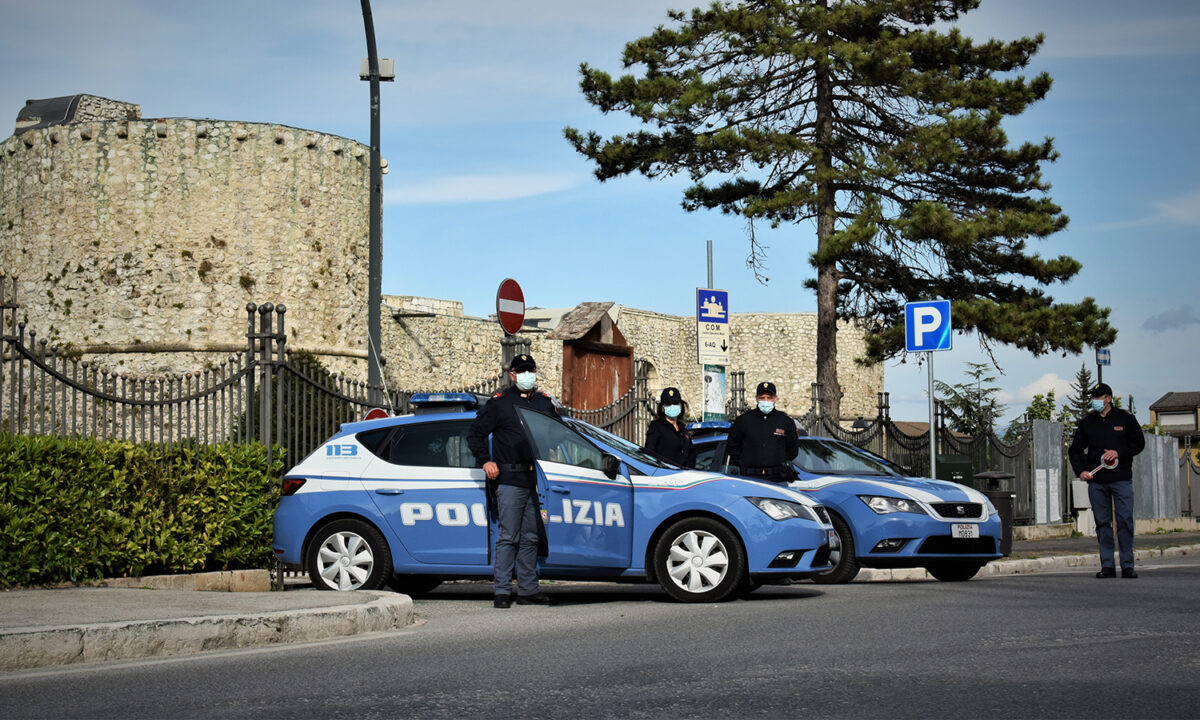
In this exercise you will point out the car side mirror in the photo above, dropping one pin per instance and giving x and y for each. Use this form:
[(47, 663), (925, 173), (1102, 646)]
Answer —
[(611, 466)]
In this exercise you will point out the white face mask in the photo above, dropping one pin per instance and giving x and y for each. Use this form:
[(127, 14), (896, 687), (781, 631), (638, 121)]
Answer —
[(526, 380), (766, 406), (1098, 404)]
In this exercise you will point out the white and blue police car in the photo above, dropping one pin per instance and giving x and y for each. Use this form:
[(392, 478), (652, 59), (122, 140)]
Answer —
[(399, 501), (883, 517)]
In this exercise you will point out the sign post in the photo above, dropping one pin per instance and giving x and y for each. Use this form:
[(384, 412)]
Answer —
[(712, 327), (927, 329), (510, 313), (1103, 357)]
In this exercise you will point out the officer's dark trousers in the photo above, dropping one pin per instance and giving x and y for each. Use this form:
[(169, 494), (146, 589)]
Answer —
[(1105, 498), (517, 545)]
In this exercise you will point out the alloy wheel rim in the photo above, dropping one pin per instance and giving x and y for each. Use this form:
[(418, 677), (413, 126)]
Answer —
[(345, 561), (698, 561)]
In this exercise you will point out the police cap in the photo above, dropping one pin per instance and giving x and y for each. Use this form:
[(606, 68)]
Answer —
[(521, 363), (670, 396), (765, 388), (1101, 389)]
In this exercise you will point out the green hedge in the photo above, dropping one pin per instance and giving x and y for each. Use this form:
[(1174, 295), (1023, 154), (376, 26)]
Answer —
[(77, 510)]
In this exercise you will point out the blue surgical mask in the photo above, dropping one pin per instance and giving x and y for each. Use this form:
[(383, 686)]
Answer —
[(526, 380), (672, 411), (765, 406), (1098, 404)]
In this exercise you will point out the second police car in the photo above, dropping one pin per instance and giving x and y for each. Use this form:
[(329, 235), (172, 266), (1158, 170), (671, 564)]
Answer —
[(883, 518), (399, 500)]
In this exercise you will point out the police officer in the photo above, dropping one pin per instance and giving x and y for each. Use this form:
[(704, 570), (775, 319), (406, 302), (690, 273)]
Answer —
[(667, 436), (1105, 435), (762, 441), (511, 475)]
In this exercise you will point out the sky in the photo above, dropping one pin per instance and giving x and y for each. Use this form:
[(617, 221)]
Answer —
[(482, 186)]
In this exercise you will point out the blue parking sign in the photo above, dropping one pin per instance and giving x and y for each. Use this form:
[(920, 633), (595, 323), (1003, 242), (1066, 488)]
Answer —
[(927, 326)]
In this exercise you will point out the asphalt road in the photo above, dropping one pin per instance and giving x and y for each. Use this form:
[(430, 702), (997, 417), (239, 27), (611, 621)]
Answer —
[(1042, 645)]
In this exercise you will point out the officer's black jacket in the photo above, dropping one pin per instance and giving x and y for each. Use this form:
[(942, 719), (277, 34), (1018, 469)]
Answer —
[(510, 444), (1119, 431), (674, 446), (762, 441)]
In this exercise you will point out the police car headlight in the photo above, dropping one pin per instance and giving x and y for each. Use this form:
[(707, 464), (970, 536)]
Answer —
[(883, 504), (782, 509), (991, 509)]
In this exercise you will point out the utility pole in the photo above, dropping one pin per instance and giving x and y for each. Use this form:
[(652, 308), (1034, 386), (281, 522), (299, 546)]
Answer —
[(375, 221)]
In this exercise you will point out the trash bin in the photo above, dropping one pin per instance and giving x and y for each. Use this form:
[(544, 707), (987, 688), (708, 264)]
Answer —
[(1003, 501)]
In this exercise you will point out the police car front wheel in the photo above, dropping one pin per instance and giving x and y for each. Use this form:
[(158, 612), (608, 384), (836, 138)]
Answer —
[(348, 555), (699, 560)]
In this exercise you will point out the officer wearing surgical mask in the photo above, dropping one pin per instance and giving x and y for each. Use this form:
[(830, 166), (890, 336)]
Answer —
[(667, 437), (762, 441), (1101, 454), (512, 482)]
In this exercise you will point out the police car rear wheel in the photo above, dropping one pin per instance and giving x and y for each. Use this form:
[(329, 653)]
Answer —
[(699, 560), (348, 555), (845, 563)]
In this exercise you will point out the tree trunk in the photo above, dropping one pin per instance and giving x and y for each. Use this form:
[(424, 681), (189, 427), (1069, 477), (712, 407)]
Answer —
[(827, 273)]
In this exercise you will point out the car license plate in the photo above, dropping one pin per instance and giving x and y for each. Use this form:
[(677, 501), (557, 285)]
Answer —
[(964, 530)]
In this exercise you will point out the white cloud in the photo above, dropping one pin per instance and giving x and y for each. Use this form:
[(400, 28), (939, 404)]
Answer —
[(1184, 210), (462, 189), (1043, 386)]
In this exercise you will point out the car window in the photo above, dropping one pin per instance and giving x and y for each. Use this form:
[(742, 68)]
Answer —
[(705, 457), (620, 444), (825, 457), (558, 443), (435, 444)]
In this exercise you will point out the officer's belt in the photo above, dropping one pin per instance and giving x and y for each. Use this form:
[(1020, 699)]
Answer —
[(517, 467)]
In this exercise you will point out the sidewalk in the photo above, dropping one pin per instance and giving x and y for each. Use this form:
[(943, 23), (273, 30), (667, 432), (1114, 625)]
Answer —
[(40, 628)]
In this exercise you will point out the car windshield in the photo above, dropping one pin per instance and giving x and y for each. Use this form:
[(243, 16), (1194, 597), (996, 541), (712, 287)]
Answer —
[(621, 444), (830, 457)]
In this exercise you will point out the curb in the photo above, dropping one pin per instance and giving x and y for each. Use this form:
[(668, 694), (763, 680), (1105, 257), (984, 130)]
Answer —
[(28, 648), (1027, 565)]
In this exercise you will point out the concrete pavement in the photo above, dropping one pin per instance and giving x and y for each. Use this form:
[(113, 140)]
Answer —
[(126, 620)]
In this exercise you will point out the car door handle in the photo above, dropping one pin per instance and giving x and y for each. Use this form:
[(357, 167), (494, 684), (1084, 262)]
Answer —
[(389, 491), (560, 489)]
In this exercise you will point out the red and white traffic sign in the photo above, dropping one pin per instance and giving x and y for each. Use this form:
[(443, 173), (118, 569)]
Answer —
[(376, 414), (510, 306)]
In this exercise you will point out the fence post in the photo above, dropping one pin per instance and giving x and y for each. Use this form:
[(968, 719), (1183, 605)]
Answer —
[(264, 376), (280, 378)]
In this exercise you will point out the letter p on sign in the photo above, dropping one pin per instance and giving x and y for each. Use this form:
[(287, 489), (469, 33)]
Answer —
[(927, 326)]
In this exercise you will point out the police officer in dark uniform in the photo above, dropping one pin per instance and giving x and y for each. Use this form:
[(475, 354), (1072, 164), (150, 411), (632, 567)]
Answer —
[(512, 477), (667, 436), (1105, 436), (762, 442)]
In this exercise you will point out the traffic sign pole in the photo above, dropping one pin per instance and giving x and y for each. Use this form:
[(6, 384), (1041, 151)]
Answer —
[(927, 329), (932, 432)]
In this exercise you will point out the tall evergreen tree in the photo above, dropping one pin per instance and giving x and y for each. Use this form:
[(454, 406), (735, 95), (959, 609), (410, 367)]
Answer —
[(971, 406), (1080, 401), (886, 133)]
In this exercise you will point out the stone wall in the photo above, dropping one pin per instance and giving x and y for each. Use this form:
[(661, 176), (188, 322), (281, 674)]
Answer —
[(429, 351), (153, 235), (92, 107)]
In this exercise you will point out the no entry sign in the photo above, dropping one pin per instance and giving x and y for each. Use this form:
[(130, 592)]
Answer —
[(510, 306)]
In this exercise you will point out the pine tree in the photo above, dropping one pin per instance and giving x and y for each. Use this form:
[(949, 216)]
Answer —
[(860, 117), (971, 406), (1081, 399)]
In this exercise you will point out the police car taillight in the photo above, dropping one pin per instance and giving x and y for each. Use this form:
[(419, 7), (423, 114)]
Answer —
[(289, 486)]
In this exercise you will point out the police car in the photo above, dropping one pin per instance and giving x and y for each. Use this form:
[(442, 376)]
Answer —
[(883, 517), (399, 500)]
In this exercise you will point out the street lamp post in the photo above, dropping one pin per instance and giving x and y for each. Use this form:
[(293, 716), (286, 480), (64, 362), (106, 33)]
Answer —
[(374, 223)]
